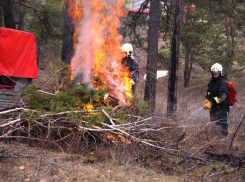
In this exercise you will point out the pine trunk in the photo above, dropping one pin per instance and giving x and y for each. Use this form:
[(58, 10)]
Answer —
[(67, 47), (1, 14), (173, 71), (8, 14), (187, 69), (151, 78)]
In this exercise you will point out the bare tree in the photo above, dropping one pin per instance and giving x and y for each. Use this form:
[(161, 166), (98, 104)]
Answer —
[(173, 70), (150, 87)]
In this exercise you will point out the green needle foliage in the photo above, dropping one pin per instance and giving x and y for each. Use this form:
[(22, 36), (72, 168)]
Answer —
[(76, 99)]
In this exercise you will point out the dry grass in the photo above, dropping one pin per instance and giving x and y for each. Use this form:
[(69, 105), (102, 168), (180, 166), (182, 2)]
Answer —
[(24, 163)]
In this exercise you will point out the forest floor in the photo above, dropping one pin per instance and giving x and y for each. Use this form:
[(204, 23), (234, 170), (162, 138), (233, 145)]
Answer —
[(20, 162)]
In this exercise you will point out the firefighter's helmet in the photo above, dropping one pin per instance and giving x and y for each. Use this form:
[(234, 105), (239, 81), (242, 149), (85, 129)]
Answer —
[(127, 48), (217, 68)]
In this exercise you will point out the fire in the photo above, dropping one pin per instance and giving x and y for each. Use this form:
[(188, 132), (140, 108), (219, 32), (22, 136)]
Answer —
[(97, 52), (89, 107), (116, 139)]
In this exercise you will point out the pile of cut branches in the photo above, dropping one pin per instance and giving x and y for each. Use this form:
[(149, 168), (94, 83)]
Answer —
[(64, 122)]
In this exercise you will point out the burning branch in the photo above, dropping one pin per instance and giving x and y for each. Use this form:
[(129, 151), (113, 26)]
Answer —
[(110, 100)]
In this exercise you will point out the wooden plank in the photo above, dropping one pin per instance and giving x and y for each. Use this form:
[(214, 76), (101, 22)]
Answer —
[(2, 96), (2, 102), (9, 92)]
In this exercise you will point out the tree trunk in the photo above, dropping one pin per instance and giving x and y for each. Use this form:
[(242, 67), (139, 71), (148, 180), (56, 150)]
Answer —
[(151, 77), (1, 14), (232, 38), (173, 70), (67, 47), (188, 65), (8, 14), (227, 35)]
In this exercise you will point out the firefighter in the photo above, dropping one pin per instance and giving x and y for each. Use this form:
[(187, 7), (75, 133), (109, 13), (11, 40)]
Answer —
[(216, 100), (128, 61)]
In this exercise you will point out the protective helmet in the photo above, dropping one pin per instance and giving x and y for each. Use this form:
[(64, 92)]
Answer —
[(217, 68), (127, 48)]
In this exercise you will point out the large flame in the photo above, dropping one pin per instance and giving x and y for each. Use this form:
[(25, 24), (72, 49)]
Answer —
[(97, 44)]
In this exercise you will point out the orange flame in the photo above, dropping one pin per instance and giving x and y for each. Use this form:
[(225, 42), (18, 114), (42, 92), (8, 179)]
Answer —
[(97, 52), (88, 107), (116, 139)]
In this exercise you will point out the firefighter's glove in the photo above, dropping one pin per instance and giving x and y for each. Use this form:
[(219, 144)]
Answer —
[(207, 104), (132, 82), (206, 101)]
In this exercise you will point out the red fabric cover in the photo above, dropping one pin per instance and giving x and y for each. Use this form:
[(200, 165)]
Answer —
[(17, 53), (231, 95)]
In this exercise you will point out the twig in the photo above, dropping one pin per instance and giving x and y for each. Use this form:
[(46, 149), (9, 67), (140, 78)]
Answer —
[(79, 126), (139, 117), (45, 92), (46, 25), (52, 76), (48, 129), (11, 110), (198, 131), (22, 137), (134, 123), (206, 175), (115, 108), (76, 111), (134, 138), (169, 151), (11, 131), (64, 137), (220, 172), (234, 135), (98, 129), (29, 124), (107, 115), (11, 122)]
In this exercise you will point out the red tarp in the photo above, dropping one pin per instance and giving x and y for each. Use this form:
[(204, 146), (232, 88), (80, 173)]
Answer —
[(17, 53)]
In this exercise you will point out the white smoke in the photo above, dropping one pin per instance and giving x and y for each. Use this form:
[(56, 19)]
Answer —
[(93, 34)]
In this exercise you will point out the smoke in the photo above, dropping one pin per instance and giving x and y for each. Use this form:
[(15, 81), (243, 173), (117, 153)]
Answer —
[(83, 54), (97, 49)]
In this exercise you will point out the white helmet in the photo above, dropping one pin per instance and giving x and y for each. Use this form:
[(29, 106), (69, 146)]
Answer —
[(127, 48), (217, 68)]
